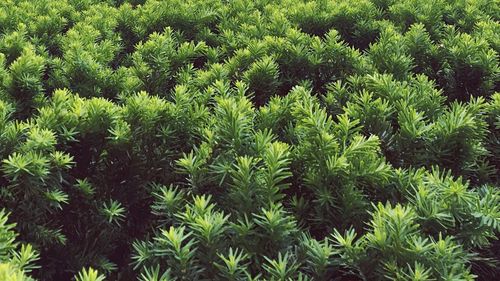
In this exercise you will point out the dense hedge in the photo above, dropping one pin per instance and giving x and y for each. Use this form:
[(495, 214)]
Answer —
[(249, 140)]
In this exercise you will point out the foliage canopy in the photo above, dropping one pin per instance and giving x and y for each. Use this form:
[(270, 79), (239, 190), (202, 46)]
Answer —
[(249, 140)]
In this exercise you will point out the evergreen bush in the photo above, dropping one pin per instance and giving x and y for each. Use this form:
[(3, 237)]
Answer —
[(159, 140)]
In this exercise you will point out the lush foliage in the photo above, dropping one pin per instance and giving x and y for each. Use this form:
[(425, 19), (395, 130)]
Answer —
[(249, 140)]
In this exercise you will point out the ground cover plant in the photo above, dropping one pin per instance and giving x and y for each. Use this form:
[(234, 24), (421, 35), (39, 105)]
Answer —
[(249, 140)]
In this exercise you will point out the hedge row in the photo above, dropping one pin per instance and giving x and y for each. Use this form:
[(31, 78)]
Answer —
[(249, 140)]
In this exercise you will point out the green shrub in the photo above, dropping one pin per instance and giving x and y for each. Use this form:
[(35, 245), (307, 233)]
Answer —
[(249, 140), (470, 66)]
